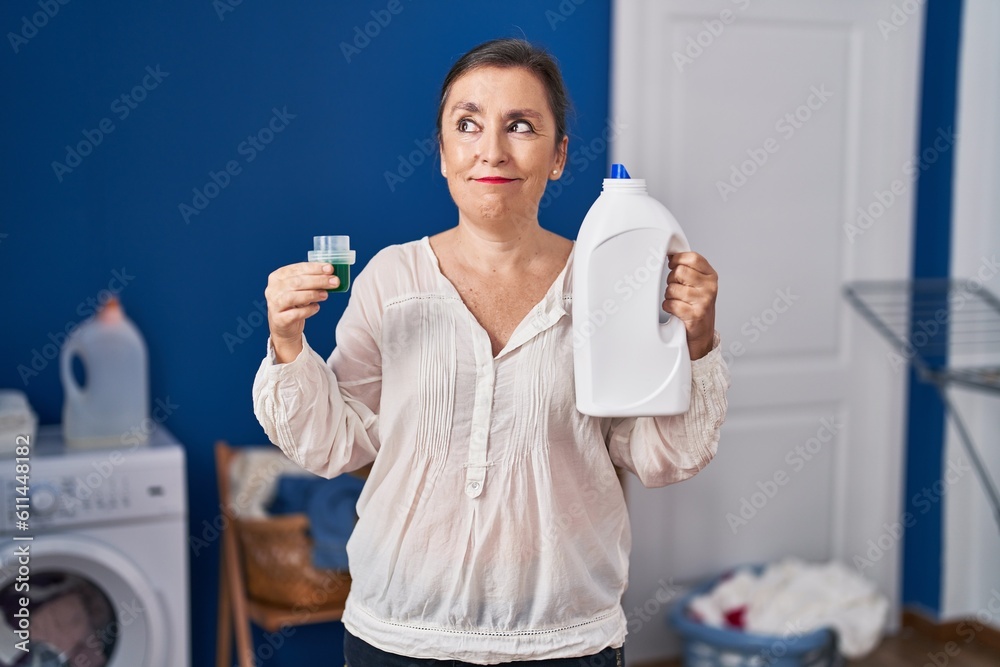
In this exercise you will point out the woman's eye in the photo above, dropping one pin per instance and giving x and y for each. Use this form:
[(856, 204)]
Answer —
[(466, 125), (522, 126)]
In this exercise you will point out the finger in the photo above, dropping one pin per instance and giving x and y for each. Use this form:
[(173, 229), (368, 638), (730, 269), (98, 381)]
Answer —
[(685, 275), (308, 281), (692, 260), (684, 293), (697, 317), (681, 309), (310, 267), (302, 268), (277, 293), (297, 299)]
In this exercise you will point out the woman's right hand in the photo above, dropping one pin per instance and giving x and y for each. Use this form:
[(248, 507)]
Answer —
[(293, 294)]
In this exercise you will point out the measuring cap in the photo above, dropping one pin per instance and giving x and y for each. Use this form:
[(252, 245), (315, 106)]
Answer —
[(332, 249)]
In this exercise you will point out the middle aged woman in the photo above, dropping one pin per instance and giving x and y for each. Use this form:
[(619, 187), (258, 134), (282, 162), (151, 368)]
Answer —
[(492, 527)]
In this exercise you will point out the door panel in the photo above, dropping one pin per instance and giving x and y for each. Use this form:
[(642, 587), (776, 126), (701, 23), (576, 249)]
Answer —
[(764, 139)]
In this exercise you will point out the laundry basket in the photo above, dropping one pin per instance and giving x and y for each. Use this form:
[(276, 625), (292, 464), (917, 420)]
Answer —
[(277, 556), (708, 646), (275, 552)]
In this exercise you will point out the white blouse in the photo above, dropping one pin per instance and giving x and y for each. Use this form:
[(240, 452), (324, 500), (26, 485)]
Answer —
[(492, 527)]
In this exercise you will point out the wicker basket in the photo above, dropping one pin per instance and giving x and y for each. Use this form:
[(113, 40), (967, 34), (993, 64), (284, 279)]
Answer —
[(277, 555)]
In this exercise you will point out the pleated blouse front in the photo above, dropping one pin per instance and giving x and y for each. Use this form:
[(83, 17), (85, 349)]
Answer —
[(492, 526)]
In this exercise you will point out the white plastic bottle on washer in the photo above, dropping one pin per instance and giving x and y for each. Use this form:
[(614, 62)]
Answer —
[(112, 408), (630, 357)]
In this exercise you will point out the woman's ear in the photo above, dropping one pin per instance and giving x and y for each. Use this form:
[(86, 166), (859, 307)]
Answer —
[(560, 162), (444, 169)]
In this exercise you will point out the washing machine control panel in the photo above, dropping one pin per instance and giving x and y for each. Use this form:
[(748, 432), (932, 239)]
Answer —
[(67, 493), (73, 497), (55, 500)]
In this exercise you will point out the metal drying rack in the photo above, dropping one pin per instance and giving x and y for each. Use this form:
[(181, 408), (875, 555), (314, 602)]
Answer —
[(932, 324)]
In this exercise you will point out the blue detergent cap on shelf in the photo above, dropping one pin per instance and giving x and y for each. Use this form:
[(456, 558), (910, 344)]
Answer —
[(619, 171)]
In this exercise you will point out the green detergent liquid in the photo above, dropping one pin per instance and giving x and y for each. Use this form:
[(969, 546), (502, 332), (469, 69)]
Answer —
[(335, 251), (342, 271)]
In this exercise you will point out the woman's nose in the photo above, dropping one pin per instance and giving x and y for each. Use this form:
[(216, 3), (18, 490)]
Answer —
[(493, 149)]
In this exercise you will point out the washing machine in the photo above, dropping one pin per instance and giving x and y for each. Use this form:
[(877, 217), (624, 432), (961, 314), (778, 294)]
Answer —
[(106, 567)]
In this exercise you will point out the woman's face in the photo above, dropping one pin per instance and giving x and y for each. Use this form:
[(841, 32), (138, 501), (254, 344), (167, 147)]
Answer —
[(498, 144)]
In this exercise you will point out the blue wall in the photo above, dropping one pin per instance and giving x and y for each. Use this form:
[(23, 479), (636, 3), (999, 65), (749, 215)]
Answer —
[(922, 551), (192, 284)]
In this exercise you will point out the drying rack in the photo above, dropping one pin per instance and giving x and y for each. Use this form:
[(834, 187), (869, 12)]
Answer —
[(940, 326)]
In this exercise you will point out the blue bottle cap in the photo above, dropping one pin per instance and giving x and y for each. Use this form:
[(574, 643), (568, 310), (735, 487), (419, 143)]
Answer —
[(619, 171)]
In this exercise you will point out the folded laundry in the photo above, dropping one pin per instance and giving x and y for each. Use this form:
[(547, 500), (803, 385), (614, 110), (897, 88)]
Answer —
[(792, 596), (253, 477), (330, 505)]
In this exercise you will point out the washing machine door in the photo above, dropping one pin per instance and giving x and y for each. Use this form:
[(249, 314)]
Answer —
[(90, 605)]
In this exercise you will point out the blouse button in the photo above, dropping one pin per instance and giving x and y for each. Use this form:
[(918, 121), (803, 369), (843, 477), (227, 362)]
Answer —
[(473, 486)]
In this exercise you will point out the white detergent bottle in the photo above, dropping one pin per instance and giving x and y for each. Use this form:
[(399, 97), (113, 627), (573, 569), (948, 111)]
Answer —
[(112, 407), (630, 357)]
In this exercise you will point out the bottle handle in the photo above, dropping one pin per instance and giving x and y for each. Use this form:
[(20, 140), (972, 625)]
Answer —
[(70, 349), (671, 327), (677, 243)]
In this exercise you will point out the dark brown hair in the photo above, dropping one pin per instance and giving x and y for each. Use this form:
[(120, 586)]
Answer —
[(514, 53)]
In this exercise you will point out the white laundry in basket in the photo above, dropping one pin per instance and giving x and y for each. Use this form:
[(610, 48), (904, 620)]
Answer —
[(795, 597)]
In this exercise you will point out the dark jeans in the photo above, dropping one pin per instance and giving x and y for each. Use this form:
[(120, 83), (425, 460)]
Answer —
[(359, 653)]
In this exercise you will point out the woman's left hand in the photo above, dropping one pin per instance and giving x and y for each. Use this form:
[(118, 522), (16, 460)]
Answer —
[(692, 286)]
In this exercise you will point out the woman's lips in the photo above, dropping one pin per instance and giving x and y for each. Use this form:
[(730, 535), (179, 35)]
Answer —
[(494, 180)]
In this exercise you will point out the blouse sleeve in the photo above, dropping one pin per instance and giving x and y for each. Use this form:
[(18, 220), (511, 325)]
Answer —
[(665, 450), (324, 415)]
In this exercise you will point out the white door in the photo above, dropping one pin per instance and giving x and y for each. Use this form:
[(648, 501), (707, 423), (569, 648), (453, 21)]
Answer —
[(764, 126)]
